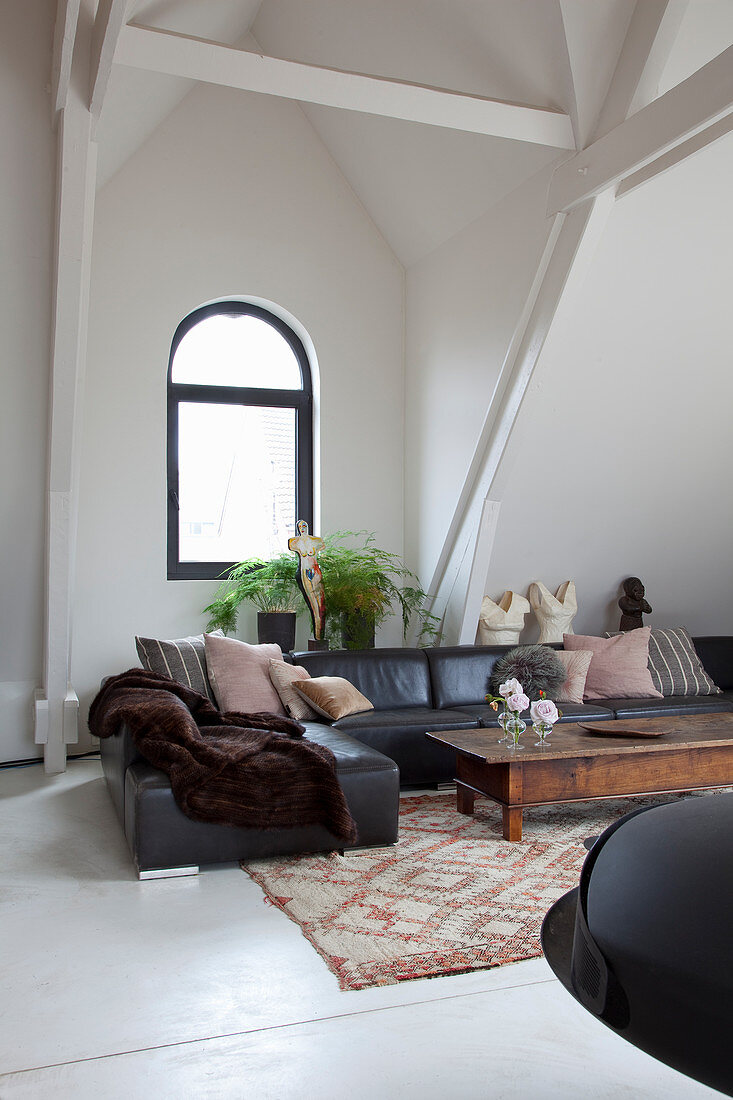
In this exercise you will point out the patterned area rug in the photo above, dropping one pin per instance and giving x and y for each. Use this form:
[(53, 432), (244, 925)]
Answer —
[(450, 897)]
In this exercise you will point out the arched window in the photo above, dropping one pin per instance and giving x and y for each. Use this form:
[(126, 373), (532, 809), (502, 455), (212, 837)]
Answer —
[(240, 438)]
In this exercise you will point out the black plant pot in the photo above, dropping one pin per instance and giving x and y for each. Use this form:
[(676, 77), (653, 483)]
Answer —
[(357, 630), (277, 626)]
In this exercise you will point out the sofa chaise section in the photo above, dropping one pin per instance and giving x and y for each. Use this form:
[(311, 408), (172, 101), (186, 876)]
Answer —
[(162, 838), (397, 682)]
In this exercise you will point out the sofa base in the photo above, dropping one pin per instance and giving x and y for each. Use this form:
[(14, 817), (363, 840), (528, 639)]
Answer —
[(168, 872)]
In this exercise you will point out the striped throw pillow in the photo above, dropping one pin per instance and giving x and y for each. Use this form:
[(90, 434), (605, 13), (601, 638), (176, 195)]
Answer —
[(674, 664), (181, 659)]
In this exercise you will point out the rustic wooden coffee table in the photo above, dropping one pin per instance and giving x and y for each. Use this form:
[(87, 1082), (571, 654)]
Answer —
[(576, 766)]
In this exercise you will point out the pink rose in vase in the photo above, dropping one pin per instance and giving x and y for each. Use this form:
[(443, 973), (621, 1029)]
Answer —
[(544, 710), (517, 702), (510, 687)]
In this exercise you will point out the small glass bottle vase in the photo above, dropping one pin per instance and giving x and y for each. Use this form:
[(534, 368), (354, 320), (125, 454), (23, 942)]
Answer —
[(543, 731), (513, 727)]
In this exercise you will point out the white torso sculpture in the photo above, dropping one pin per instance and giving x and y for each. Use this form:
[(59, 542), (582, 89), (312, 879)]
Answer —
[(501, 623), (555, 614)]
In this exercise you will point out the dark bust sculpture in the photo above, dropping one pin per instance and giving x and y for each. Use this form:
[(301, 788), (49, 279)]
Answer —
[(633, 605)]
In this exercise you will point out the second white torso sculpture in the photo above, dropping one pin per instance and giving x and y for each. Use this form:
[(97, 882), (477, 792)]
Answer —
[(501, 623), (555, 614)]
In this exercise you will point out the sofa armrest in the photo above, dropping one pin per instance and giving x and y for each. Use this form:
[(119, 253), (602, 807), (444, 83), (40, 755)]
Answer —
[(117, 753), (716, 654)]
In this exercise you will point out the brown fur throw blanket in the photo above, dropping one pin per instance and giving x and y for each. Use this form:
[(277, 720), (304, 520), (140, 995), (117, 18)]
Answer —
[(253, 770)]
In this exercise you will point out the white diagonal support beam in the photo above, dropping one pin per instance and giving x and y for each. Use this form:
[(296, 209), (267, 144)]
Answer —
[(67, 17), (568, 251), (696, 103), (179, 55), (679, 153), (110, 19)]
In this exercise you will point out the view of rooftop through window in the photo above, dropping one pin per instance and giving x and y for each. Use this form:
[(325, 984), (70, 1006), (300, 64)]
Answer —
[(236, 462)]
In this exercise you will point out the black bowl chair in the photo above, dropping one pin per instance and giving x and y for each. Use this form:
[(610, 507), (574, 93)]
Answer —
[(645, 942)]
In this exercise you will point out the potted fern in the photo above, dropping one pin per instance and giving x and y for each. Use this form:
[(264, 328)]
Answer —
[(271, 586), (363, 585)]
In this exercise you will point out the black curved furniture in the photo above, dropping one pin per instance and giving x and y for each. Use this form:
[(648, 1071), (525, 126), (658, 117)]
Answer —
[(645, 942)]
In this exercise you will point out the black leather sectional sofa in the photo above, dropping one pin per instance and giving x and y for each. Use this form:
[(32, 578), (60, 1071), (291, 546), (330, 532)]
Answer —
[(414, 691)]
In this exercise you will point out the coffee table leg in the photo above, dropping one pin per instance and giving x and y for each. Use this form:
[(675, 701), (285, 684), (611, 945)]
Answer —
[(512, 822), (465, 799)]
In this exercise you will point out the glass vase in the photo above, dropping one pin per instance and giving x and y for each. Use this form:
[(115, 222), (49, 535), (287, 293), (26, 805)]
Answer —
[(543, 731), (514, 727)]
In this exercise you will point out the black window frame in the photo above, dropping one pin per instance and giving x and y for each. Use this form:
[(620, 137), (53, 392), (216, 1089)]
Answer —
[(300, 400)]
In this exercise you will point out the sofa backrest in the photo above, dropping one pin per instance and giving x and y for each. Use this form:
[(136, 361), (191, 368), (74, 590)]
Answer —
[(388, 677), (716, 654), (459, 674)]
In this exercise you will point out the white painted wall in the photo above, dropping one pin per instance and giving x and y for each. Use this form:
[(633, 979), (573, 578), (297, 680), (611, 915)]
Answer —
[(233, 195), (638, 375), (462, 303), (619, 463), (26, 208)]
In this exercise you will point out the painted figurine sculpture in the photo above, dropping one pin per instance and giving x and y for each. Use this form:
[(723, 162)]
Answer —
[(633, 605), (555, 614), (310, 579), (501, 623)]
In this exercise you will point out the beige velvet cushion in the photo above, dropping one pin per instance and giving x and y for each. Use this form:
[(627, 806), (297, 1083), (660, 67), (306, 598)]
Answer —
[(332, 696), (283, 677), (240, 675), (619, 668), (577, 662)]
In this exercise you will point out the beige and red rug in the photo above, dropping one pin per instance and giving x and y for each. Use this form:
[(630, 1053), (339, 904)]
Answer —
[(450, 897)]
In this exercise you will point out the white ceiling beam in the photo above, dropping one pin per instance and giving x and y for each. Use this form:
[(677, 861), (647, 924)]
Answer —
[(679, 153), (67, 18), (180, 55), (111, 17), (652, 31), (702, 99)]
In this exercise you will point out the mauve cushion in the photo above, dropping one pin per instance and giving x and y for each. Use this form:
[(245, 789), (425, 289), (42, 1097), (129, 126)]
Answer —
[(240, 675), (619, 668), (283, 677), (577, 663)]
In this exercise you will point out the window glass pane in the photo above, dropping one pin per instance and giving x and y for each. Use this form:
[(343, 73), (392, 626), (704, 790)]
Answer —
[(236, 469), (236, 350)]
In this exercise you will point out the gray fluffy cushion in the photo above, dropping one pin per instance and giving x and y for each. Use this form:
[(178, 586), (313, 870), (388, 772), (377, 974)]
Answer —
[(537, 668)]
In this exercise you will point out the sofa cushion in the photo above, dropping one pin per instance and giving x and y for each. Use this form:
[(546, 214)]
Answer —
[(460, 674), (284, 676), (577, 662), (571, 712), (332, 696), (240, 675), (400, 734), (388, 677), (182, 659), (619, 666), (670, 704), (675, 666)]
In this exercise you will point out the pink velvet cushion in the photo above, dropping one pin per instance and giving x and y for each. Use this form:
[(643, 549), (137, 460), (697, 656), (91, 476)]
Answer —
[(618, 669), (240, 675), (577, 662)]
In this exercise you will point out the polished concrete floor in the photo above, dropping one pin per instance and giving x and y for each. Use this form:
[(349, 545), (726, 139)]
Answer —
[(195, 988)]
